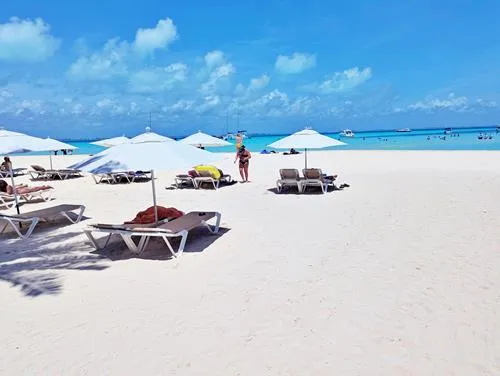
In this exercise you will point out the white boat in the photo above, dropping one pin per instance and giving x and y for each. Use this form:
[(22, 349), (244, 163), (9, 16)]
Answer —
[(232, 136), (346, 133), (448, 130), (404, 130)]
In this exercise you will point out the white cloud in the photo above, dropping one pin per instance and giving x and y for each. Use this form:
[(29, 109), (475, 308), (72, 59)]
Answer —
[(341, 81), (259, 83), (449, 103), (209, 103), (221, 74), (179, 106), (113, 59), (157, 38), (26, 40), (296, 63), (35, 106), (158, 79), (102, 65), (107, 105), (214, 59)]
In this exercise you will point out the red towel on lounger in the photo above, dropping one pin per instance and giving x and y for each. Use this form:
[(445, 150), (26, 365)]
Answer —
[(148, 215)]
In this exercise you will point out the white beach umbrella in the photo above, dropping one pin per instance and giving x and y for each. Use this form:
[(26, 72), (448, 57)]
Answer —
[(203, 139), (52, 145), (110, 142), (149, 136), (146, 156), (306, 139), (15, 142)]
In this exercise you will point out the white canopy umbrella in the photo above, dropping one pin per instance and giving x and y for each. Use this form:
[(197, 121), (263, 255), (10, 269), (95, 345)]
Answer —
[(149, 136), (52, 145), (306, 139), (110, 142), (15, 142), (202, 139), (146, 156)]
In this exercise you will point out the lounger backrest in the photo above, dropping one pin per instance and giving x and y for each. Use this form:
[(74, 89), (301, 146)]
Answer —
[(312, 173), (187, 221), (38, 168), (289, 174)]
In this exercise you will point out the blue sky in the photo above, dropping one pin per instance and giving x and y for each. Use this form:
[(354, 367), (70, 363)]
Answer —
[(98, 68)]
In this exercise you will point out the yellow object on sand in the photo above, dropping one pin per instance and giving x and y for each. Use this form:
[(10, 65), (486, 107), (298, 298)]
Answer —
[(214, 171)]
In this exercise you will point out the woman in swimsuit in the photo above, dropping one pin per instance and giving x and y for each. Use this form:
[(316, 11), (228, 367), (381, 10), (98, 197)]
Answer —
[(21, 189), (244, 157)]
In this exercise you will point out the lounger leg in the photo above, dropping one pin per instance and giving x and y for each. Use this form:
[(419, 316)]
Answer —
[(28, 232), (94, 241), (216, 227), (78, 218), (4, 227), (130, 243)]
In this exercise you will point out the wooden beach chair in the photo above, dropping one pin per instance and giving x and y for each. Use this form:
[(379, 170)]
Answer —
[(34, 217), (178, 227), (289, 177)]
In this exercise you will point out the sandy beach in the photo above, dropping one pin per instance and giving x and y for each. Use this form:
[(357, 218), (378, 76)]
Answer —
[(398, 274)]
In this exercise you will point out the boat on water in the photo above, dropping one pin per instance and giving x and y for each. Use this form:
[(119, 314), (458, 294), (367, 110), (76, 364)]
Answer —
[(346, 133), (232, 136), (448, 130), (404, 130)]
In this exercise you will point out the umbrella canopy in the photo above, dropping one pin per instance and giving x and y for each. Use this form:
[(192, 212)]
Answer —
[(52, 145), (149, 136), (110, 142), (306, 139), (15, 142), (146, 156), (203, 139)]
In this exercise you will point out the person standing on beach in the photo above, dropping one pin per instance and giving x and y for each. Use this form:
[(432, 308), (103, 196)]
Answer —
[(243, 155)]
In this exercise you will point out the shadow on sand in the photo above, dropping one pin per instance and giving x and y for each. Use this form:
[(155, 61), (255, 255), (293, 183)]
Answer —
[(32, 264), (198, 240)]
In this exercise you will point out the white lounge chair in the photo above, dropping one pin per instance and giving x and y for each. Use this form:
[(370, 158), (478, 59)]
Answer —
[(184, 180), (206, 177), (8, 200), (178, 227), (40, 173), (313, 177), (15, 172), (289, 178), (34, 217)]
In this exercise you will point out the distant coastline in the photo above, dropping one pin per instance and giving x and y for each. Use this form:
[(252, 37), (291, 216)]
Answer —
[(418, 131)]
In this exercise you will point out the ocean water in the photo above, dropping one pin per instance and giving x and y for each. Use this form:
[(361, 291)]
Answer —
[(435, 139)]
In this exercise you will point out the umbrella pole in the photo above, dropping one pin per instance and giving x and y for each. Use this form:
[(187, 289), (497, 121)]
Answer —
[(14, 188), (50, 155), (154, 195), (305, 155)]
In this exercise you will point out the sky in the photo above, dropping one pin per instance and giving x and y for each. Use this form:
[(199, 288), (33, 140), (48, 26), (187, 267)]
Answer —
[(92, 69)]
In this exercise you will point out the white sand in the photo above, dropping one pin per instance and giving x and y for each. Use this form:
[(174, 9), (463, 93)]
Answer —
[(397, 275)]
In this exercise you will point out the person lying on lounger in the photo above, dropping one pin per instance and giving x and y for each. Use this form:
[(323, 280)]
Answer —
[(22, 188)]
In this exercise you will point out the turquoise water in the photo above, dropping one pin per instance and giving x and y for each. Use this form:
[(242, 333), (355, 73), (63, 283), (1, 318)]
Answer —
[(460, 139)]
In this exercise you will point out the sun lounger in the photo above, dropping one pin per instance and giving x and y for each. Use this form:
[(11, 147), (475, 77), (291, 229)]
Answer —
[(178, 227), (206, 177), (40, 173), (313, 177), (8, 200), (117, 177), (289, 178), (15, 172), (34, 217), (184, 180)]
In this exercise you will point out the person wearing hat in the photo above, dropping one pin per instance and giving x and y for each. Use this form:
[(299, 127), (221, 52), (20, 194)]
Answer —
[(243, 155)]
